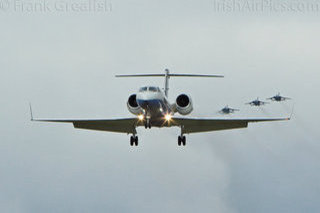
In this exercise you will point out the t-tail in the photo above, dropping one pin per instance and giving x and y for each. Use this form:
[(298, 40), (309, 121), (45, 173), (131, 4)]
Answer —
[(168, 75)]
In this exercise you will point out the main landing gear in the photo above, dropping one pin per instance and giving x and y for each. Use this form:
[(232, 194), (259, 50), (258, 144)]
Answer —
[(134, 140), (182, 140)]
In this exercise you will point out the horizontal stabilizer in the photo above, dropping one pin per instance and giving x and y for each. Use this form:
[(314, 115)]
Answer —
[(171, 75), (167, 75)]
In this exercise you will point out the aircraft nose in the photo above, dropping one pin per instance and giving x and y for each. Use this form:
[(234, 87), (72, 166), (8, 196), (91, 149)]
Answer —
[(143, 103), (149, 104), (147, 96), (142, 96)]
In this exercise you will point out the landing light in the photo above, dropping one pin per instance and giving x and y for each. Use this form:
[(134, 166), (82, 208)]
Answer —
[(168, 117), (140, 117)]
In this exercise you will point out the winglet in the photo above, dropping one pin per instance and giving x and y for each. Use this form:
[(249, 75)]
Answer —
[(291, 112), (31, 114)]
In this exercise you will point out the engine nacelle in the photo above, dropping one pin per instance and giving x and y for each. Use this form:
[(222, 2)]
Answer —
[(184, 104), (133, 106)]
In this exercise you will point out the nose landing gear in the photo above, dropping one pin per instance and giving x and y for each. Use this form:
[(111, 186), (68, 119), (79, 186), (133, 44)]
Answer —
[(147, 123)]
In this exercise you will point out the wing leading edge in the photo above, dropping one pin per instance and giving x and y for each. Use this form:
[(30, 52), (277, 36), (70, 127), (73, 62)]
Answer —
[(194, 125), (123, 125)]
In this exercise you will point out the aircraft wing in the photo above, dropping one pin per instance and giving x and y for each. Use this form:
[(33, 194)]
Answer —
[(190, 125), (122, 125), (194, 125)]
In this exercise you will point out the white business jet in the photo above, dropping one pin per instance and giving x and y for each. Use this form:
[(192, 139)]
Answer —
[(152, 109)]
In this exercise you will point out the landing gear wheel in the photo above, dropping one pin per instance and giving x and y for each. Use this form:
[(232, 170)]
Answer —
[(147, 124), (136, 140), (132, 140), (179, 141), (183, 139)]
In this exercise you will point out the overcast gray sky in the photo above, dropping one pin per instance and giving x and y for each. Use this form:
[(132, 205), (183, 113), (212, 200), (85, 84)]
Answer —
[(64, 63)]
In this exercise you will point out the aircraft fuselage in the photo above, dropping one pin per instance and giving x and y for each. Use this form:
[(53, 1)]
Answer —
[(154, 104)]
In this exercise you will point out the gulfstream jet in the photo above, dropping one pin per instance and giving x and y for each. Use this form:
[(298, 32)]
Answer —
[(151, 108)]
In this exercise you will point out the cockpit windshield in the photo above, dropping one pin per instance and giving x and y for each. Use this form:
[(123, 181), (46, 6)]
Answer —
[(153, 89), (150, 89), (143, 89)]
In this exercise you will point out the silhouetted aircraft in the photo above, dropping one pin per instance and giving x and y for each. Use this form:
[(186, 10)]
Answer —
[(278, 98), (228, 110), (257, 102)]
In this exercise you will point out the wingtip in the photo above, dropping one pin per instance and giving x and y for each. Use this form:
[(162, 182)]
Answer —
[(292, 112), (31, 114)]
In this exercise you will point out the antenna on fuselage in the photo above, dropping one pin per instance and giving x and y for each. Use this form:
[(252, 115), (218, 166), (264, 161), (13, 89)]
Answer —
[(167, 76)]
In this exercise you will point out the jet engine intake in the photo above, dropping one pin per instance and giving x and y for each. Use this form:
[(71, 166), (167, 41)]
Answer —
[(133, 106), (184, 104)]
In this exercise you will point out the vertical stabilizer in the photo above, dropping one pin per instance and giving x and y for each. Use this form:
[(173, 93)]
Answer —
[(166, 85)]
